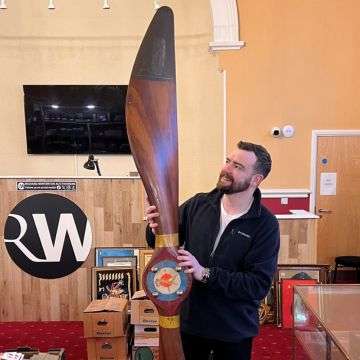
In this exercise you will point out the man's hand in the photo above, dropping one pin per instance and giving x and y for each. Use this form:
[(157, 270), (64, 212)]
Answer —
[(189, 261), (150, 215)]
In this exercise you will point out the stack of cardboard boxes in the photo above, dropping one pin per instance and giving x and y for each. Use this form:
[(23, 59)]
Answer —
[(106, 329), (145, 318)]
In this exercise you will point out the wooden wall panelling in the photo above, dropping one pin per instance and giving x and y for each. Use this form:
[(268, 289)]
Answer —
[(117, 206), (137, 215), (297, 241), (115, 210), (284, 248), (30, 286), (126, 235), (54, 301), (98, 221), (44, 299)]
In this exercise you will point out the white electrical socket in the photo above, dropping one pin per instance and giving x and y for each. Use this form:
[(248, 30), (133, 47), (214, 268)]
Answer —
[(288, 131), (284, 201)]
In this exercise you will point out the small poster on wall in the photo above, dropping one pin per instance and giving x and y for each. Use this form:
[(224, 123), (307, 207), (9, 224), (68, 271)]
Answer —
[(327, 183), (46, 185)]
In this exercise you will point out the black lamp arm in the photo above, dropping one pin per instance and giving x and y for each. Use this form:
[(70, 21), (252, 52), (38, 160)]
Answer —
[(97, 167)]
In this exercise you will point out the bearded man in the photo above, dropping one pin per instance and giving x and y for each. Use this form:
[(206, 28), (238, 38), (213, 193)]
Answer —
[(230, 245)]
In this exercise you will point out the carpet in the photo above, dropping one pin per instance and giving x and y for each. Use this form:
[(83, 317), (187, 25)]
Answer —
[(272, 343)]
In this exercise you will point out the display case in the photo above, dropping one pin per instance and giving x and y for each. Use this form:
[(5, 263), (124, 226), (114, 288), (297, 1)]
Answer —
[(326, 322), (297, 273)]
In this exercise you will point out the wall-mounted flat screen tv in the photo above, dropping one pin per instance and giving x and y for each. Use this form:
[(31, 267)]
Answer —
[(76, 119)]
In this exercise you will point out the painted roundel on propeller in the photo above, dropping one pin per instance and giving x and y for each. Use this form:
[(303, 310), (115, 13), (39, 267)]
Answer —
[(166, 280)]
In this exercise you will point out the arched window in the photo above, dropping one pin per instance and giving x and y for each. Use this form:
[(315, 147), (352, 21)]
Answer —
[(225, 25)]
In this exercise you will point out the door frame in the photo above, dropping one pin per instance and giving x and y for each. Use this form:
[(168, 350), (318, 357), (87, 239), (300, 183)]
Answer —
[(314, 141)]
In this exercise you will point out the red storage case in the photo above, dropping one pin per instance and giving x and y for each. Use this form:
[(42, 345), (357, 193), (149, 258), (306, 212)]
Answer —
[(287, 298)]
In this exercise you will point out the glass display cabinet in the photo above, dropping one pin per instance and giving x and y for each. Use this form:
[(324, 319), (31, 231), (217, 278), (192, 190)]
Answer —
[(327, 322)]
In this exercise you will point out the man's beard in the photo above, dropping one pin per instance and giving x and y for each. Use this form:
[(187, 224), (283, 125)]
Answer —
[(232, 187)]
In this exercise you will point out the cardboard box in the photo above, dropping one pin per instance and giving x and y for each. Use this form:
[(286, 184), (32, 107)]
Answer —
[(146, 341), (145, 352), (143, 311), (150, 331), (114, 348), (106, 318)]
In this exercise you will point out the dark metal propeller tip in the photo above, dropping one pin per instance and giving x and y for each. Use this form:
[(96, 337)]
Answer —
[(156, 57)]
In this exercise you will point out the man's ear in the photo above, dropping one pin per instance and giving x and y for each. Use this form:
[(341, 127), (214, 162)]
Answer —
[(257, 179)]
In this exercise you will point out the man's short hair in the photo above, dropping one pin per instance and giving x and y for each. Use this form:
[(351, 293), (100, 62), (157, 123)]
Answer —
[(263, 158)]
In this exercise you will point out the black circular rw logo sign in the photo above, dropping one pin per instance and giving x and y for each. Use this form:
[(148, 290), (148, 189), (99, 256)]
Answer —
[(47, 236)]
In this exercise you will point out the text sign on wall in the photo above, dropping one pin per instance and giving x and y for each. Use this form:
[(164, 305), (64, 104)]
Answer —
[(327, 183), (47, 236), (46, 185)]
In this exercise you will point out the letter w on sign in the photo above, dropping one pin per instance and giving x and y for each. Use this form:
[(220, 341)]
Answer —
[(53, 249)]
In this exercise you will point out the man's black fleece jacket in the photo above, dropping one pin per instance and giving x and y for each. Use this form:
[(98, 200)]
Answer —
[(241, 269)]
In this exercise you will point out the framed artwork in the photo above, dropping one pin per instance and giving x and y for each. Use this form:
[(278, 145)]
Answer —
[(102, 253), (287, 299), (267, 308), (113, 281), (303, 272), (144, 258), (316, 272)]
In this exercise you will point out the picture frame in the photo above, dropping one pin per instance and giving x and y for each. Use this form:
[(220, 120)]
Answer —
[(287, 299), (114, 252), (318, 272), (113, 281), (144, 258), (267, 308)]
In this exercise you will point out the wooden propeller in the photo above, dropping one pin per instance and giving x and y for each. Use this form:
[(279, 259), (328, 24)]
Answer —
[(152, 130)]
